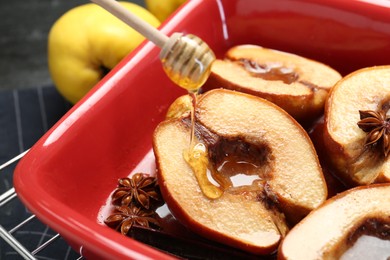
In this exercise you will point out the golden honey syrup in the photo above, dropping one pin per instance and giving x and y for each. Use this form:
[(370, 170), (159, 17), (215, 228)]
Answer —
[(270, 71), (187, 62), (186, 59), (236, 172), (197, 158)]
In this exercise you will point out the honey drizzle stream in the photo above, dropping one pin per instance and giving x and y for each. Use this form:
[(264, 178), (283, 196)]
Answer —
[(193, 107), (197, 158)]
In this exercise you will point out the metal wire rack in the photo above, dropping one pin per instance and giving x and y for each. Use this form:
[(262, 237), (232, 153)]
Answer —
[(18, 244)]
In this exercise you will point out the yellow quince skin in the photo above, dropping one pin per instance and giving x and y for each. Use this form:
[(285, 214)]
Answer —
[(87, 42)]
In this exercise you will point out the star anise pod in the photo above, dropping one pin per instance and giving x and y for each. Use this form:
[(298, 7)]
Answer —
[(137, 189), (377, 125), (125, 217)]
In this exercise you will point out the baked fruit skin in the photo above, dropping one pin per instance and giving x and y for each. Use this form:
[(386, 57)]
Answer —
[(331, 229), (255, 217), (352, 161), (297, 84), (334, 184)]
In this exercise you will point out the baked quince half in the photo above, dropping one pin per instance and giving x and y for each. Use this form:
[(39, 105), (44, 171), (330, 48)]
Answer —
[(334, 227), (296, 84), (357, 126), (258, 157)]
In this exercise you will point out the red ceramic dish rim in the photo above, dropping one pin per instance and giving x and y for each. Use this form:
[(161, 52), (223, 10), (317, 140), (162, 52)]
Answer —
[(74, 226)]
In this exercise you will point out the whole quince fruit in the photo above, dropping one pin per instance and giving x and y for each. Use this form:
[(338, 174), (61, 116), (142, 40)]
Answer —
[(87, 42), (162, 9)]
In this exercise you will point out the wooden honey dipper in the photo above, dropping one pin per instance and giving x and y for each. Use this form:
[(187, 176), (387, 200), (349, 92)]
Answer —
[(186, 59)]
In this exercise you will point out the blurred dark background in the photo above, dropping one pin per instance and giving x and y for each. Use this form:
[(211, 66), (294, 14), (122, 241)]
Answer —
[(24, 28)]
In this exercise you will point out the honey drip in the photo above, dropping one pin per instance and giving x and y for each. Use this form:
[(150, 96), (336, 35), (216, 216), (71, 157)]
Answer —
[(187, 60), (236, 169), (193, 107), (197, 157)]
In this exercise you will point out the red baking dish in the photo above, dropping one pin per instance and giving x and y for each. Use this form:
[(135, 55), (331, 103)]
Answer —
[(67, 177)]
